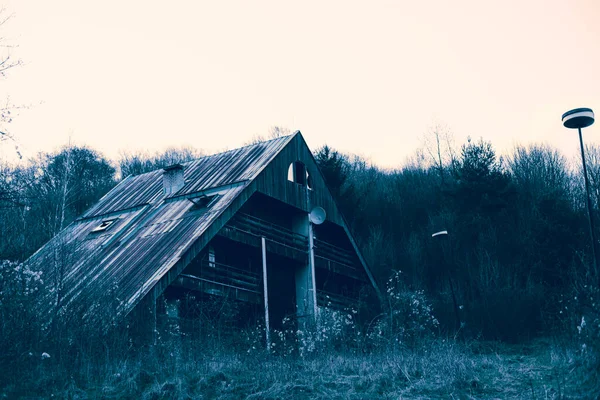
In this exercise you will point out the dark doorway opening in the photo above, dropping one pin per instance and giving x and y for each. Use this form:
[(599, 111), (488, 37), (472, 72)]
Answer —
[(282, 292)]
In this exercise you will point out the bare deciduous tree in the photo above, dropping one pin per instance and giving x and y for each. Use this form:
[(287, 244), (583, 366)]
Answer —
[(539, 169), (135, 163), (45, 194), (438, 144), (7, 62), (592, 158), (274, 132)]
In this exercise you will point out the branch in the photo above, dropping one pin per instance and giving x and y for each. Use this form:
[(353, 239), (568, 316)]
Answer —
[(5, 65)]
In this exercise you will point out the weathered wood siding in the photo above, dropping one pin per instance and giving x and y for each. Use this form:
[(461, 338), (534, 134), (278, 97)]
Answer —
[(273, 181)]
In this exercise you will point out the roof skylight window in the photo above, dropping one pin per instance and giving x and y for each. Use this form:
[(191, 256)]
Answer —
[(107, 223)]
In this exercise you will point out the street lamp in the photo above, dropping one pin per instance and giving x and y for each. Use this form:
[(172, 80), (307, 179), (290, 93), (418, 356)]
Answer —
[(458, 324), (576, 119)]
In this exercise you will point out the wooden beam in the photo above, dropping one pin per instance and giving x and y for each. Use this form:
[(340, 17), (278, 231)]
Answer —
[(311, 266), (266, 293)]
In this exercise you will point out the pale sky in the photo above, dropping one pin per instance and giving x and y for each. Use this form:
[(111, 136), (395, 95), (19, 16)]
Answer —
[(367, 77)]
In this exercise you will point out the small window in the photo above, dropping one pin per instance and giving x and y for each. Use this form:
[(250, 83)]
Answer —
[(104, 225), (212, 259), (297, 173), (202, 202)]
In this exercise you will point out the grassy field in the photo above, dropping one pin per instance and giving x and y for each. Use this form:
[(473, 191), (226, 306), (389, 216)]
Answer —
[(440, 369)]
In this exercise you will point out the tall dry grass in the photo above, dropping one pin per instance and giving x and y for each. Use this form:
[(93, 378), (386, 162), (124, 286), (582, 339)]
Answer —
[(179, 368), (398, 354)]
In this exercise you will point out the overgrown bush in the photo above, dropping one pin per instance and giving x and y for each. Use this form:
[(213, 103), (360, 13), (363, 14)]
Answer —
[(408, 319), (408, 316), (19, 328), (580, 317), (335, 330)]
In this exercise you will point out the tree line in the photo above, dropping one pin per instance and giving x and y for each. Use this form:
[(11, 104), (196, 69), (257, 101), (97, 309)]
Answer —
[(517, 247), (517, 226)]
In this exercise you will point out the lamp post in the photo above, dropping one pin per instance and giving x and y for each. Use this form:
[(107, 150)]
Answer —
[(458, 324), (576, 119)]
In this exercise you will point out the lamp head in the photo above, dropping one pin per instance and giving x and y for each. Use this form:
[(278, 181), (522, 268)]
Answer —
[(578, 118)]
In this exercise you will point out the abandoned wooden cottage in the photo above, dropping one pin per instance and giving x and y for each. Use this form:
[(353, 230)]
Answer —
[(257, 225)]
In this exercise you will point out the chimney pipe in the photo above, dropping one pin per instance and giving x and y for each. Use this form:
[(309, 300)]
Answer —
[(172, 179)]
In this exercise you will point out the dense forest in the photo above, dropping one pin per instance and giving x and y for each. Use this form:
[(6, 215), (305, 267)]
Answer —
[(515, 263)]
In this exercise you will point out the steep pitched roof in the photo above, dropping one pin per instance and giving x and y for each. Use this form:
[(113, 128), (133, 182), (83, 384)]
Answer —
[(153, 236)]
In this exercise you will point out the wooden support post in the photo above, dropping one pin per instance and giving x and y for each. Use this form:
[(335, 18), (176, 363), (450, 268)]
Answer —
[(311, 259), (155, 324), (266, 293), (311, 266)]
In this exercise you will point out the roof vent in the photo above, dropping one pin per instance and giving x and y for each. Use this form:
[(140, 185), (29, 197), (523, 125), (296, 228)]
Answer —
[(203, 202), (172, 179)]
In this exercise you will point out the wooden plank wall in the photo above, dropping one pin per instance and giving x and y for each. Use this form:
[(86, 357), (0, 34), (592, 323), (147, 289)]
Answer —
[(273, 181)]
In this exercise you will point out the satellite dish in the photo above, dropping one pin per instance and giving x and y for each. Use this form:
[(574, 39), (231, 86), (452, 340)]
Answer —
[(317, 215)]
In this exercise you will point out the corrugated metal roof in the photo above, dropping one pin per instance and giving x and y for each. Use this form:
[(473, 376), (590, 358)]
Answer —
[(204, 173), (131, 192), (151, 233)]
